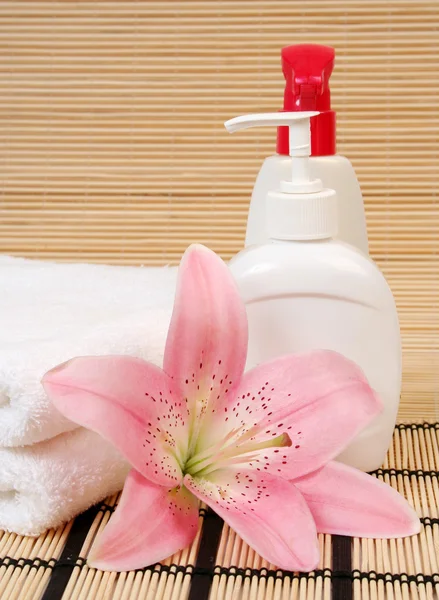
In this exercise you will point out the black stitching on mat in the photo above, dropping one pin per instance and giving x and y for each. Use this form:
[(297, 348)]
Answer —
[(36, 563), (159, 568), (245, 573), (104, 507), (406, 472), (429, 521), (413, 426), (248, 573), (419, 578), (341, 575), (210, 539), (70, 554), (342, 588), (336, 575), (185, 569)]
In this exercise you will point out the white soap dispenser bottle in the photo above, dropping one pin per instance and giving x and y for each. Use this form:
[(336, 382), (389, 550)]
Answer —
[(304, 290), (307, 69)]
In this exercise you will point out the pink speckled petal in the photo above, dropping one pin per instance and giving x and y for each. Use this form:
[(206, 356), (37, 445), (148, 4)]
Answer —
[(150, 524), (268, 513), (345, 501), (207, 341), (320, 399), (131, 403)]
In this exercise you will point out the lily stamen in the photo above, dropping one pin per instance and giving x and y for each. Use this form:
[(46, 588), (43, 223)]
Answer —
[(227, 456)]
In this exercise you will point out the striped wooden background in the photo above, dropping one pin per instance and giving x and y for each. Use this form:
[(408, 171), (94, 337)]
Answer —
[(112, 146)]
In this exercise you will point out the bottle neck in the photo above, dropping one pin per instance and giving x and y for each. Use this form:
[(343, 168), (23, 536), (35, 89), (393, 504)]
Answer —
[(302, 217)]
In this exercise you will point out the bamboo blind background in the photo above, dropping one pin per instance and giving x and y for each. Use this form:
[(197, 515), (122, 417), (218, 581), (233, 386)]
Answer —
[(112, 146)]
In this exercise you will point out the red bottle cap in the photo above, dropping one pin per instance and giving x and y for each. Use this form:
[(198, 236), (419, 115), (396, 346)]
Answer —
[(307, 68)]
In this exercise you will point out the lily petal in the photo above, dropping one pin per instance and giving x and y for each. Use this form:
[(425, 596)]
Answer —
[(131, 403), (206, 346), (149, 524), (345, 501), (320, 399), (269, 513)]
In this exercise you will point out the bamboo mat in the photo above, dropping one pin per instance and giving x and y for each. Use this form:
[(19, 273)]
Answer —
[(219, 566)]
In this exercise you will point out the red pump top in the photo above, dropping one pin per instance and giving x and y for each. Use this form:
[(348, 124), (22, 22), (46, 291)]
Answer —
[(307, 68)]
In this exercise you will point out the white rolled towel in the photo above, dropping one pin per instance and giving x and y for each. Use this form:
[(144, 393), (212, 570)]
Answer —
[(52, 312), (45, 485)]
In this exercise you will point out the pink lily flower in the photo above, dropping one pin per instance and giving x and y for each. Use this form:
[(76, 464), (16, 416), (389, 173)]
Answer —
[(258, 447)]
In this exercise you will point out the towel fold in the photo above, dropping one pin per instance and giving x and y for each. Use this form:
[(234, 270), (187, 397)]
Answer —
[(44, 485), (52, 312)]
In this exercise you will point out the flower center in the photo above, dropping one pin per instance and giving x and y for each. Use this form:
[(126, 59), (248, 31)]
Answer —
[(225, 454)]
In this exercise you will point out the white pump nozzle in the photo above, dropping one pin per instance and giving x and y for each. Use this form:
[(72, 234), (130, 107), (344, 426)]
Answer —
[(301, 209), (299, 142), (298, 123)]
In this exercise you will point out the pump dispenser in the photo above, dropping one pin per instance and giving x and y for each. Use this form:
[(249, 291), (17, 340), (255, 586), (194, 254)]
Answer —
[(305, 290), (301, 209), (307, 69)]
